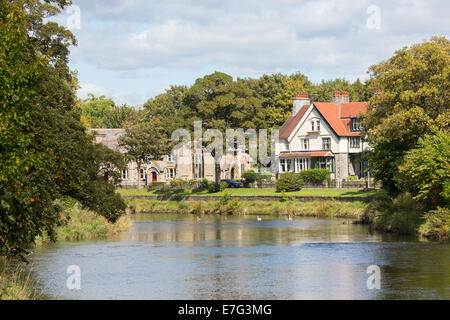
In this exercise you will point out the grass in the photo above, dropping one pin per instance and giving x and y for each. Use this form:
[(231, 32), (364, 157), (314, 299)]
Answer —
[(327, 208), (259, 192), (17, 282), (86, 225)]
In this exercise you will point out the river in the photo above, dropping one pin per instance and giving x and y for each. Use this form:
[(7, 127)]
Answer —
[(179, 257)]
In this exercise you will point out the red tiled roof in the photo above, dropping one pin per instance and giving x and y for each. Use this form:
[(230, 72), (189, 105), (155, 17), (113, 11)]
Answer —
[(349, 110), (347, 124), (291, 123), (330, 112), (306, 154)]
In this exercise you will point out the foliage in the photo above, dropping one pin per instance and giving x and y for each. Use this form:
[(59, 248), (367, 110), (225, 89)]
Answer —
[(95, 109), (221, 104), (120, 117), (289, 182), (45, 152), (437, 225), (413, 101), (214, 187), (425, 171), (315, 176), (401, 215), (144, 141)]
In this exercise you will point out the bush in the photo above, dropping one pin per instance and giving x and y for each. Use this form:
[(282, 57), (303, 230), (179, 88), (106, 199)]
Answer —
[(437, 225), (215, 187), (156, 184), (403, 215), (315, 176), (289, 182), (178, 183)]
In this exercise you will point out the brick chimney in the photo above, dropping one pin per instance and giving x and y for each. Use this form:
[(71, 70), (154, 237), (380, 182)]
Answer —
[(341, 97), (300, 100)]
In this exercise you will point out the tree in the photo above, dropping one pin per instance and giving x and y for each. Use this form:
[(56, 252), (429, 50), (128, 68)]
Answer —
[(221, 104), (425, 171), (144, 141), (120, 117), (96, 109), (412, 101), (45, 152)]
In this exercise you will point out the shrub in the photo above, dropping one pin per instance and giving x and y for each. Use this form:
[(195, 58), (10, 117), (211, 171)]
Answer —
[(315, 176), (178, 183), (289, 182), (156, 184), (437, 225), (215, 187)]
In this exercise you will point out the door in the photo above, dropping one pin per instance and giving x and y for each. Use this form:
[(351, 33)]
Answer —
[(154, 176)]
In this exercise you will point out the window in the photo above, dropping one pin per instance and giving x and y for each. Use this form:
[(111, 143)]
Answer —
[(125, 174), (305, 144), (326, 143), (356, 125), (171, 158), (286, 145), (313, 128), (142, 174), (285, 165), (302, 164), (326, 163), (170, 173), (355, 142), (318, 125)]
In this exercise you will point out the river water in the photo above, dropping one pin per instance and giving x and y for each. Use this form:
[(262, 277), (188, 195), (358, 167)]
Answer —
[(179, 257)]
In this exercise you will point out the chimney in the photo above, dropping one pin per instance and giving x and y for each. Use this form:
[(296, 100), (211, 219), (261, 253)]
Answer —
[(345, 98), (341, 97), (300, 100), (337, 98)]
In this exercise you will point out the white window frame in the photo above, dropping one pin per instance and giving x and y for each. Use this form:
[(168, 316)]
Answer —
[(171, 158), (305, 144), (353, 144), (170, 173), (142, 174), (302, 164), (318, 125), (125, 174), (323, 144), (285, 165)]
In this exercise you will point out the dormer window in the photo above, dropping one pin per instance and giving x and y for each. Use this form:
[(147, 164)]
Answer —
[(356, 125), (313, 127), (318, 125)]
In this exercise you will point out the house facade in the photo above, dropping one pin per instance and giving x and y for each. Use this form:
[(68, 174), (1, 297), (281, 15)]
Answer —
[(323, 135), (182, 164)]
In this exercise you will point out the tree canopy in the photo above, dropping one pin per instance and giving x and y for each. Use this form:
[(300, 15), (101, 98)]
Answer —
[(45, 151)]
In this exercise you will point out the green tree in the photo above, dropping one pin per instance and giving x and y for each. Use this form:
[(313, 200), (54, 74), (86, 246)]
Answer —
[(120, 117), (45, 152), (425, 171), (221, 103), (96, 109), (144, 141), (413, 101)]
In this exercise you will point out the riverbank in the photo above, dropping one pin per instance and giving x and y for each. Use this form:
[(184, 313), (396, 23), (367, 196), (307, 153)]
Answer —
[(232, 206)]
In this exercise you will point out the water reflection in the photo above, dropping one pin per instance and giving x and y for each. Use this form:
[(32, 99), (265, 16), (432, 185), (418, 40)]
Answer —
[(178, 257)]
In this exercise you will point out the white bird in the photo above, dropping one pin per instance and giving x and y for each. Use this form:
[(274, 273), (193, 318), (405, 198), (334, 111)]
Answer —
[(198, 219), (290, 218), (259, 219)]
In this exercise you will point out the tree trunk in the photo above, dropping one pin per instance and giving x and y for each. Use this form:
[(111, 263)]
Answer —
[(218, 172)]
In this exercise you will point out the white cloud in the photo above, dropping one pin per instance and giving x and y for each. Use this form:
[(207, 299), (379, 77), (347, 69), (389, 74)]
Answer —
[(88, 88)]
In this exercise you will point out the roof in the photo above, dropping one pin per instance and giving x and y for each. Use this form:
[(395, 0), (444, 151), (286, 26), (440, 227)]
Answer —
[(349, 110), (306, 154), (108, 137), (340, 123), (291, 123), (330, 112)]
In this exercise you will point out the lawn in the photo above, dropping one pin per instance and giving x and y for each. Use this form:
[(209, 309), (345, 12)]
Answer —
[(260, 192)]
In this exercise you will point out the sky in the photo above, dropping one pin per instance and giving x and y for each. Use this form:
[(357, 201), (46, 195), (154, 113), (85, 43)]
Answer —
[(132, 50)]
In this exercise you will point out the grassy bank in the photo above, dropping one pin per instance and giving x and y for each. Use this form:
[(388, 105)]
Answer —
[(258, 192), (82, 224), (17, 282), (404, 215), (354, 210)]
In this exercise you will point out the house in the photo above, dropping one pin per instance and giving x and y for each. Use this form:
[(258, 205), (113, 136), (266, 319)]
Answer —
[(182, 164), (323, 135)]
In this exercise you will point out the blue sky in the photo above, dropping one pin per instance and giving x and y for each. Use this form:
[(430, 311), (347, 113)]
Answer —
[(131, 50)]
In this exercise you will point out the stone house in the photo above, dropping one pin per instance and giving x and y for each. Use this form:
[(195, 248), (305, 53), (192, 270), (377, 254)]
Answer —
[(323, 135), (183, 164)]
